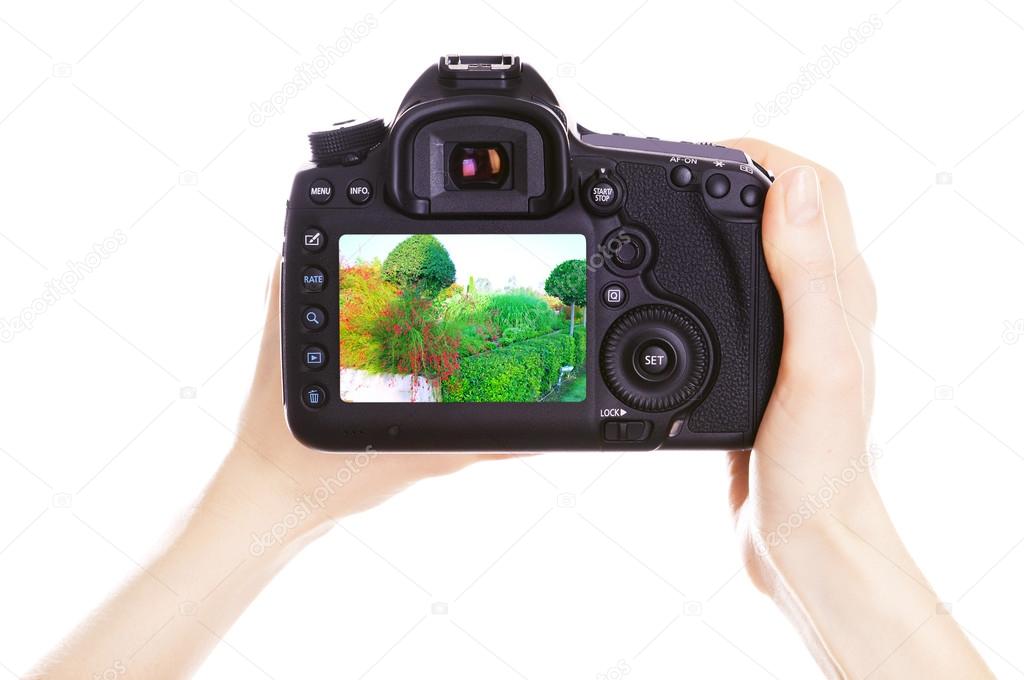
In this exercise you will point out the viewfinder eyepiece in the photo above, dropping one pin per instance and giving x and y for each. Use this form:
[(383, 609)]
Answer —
[(478, 166)]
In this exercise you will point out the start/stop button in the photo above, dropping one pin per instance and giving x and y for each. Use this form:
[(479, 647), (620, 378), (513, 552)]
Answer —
[(603, 193)]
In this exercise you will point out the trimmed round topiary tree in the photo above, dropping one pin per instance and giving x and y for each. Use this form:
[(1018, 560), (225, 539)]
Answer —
[(419, 263), (568, 283)]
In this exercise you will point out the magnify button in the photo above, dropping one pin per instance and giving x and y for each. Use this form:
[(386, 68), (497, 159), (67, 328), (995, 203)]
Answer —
[(314, 318)]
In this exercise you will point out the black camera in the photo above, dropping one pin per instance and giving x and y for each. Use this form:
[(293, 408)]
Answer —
[(478, 276)]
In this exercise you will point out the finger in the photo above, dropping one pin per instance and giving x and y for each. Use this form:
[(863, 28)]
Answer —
[(837, 211), (855, 284), (423, 465), (268, 366), (739, 479), (818, 348), (854, 278)]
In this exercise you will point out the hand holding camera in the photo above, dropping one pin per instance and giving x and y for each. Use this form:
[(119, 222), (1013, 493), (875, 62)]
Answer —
[(662, 250)]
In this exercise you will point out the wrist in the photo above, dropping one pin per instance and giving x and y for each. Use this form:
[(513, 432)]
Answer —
[(255, 499), (807, 524), (842, 568)]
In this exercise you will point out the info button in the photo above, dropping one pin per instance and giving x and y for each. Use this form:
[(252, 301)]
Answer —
[(360, 191)]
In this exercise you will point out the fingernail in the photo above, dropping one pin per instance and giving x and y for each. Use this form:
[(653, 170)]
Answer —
[(803, 199)]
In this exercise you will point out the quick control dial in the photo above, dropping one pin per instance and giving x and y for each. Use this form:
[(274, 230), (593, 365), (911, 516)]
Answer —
[(655, 358)]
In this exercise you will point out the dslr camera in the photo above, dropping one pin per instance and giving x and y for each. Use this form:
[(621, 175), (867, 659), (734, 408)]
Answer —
[(481, 276)]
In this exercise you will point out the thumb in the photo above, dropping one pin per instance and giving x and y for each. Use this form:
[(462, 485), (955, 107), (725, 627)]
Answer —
[(818, 348)]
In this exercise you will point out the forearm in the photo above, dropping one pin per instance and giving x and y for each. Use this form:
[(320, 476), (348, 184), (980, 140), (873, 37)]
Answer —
[(167, 618), (863, 605)]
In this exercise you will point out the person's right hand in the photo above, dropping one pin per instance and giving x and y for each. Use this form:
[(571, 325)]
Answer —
[(815, 534), (814, 430)]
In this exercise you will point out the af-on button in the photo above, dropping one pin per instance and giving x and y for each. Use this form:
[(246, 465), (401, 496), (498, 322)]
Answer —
[(681, 176)]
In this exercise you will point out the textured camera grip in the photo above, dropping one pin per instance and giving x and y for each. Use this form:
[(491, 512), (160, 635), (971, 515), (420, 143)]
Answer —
[(718, 268)]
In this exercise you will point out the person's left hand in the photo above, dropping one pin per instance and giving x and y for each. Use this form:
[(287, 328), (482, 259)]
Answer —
[(269, 469)]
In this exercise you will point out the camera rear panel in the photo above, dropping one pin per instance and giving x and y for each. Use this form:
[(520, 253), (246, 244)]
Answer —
[(682, 325)]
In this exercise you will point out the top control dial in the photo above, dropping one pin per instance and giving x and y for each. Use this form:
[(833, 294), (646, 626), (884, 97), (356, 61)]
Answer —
[(346, 144)]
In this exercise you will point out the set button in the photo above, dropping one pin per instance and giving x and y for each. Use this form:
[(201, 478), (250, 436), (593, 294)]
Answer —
[(654, 360)]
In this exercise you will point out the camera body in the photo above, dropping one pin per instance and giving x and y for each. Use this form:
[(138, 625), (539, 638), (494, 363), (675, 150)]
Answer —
[(479, 277)]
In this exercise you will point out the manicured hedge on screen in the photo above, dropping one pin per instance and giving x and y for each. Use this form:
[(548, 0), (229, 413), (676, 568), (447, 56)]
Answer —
[(580, 336), (521, 372)]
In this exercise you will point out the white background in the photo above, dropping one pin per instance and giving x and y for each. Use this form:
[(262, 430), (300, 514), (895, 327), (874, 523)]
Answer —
[(135, 116)]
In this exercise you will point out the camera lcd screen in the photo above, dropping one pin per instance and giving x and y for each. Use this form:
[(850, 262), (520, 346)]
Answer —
[(455, 318)]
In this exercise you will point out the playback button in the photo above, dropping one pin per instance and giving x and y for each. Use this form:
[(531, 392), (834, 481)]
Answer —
[(314, 357)]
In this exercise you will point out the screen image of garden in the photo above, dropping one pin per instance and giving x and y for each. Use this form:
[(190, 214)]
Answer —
[(462, 318)]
